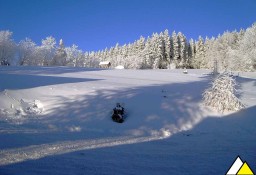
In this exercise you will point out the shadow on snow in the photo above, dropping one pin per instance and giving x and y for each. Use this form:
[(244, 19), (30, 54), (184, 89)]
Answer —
[(21, 81), (46, 70), (74, 131), (210, 147)]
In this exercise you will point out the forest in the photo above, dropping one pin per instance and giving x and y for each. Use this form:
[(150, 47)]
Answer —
[(231, 51)]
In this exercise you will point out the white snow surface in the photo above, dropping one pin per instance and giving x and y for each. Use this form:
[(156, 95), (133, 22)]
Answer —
[(119, 67), (57, 120)]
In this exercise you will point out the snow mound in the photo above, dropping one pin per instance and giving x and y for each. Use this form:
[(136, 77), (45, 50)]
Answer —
[(26, 109), (119, 67), (33, 108)]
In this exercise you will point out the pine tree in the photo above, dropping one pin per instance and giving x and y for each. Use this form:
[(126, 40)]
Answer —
[(221, 95), (191, 53), (183, 50), (167, 44), (147, 54), (247, 49), (158, 51), (200, 54), (176, 50), (60, 58)]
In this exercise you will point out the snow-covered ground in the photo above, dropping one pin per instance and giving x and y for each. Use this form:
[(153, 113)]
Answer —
[(57, 120)]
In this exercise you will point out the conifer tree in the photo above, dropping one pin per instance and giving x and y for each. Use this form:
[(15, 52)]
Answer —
[(200, 53), (176, 49), (60, 58), (167, 44), (221, 94), (183, 50)]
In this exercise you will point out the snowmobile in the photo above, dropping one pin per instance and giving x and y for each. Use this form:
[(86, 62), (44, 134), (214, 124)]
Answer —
[(118, 113)]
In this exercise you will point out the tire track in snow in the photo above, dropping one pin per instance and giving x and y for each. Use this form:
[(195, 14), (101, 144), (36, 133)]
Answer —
[(16, 155), (11, 156)]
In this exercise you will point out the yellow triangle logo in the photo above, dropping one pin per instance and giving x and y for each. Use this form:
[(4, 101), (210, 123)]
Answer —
[(245, 170)]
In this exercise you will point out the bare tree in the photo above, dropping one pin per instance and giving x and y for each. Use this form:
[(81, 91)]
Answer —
[(7, 48)]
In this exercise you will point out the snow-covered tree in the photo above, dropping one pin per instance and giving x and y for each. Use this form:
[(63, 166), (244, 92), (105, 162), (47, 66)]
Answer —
[(159, 52), (89, 61), (139, 45), (60, 58), (199, 59), (221, 94), (148, 54), (247, 49), (222, 45), (235, 58), (27, 52), (154, 52), (163, 51), (183, 50), (230, 51), (75, 57), (48, 49), (191, 53), (211, 57), (167, 44), (176, 49), (7, 48)]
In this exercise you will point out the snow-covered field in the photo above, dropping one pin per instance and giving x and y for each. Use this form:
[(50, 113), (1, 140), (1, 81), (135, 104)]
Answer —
[(57, 120)]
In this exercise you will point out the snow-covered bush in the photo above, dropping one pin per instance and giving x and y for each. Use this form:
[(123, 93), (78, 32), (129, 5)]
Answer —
[(221, 95), (31, 107)]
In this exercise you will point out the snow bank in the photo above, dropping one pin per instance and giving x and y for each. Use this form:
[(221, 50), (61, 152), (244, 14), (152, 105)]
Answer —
[(119, 67)]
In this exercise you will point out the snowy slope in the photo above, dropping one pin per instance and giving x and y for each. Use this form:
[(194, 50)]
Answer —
[(56, 120)]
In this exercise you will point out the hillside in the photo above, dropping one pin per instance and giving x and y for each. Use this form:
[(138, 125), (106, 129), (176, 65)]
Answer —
[(57, 120)]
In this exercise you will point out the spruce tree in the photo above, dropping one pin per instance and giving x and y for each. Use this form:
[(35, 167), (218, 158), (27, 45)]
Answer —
[(221, 94), (183, 50), (200, 53), (167, 44), (176, 49)]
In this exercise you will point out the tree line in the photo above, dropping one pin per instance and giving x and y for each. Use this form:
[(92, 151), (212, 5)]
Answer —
[(230, 51)]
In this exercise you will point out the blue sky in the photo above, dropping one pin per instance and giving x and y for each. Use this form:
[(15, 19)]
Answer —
[(96, 24)]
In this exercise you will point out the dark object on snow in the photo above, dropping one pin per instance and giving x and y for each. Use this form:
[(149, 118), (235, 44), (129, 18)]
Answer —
[(4, 63), (118, 113)]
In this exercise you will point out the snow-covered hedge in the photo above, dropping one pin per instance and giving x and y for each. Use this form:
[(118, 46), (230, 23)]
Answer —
[(221, 95)]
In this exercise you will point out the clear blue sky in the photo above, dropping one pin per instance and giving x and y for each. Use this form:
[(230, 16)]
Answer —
[(96, 24)]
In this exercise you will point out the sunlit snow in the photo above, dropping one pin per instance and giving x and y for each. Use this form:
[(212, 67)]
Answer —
[(56, 120)]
